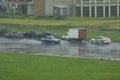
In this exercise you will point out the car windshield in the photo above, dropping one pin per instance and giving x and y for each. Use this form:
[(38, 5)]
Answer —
[(48, 37), (100, 37)]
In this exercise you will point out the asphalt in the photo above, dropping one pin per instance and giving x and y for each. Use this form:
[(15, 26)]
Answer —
[(64, 49)]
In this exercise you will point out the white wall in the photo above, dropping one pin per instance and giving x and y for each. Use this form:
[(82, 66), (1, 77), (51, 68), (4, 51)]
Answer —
[(29, 9), (50, 4)]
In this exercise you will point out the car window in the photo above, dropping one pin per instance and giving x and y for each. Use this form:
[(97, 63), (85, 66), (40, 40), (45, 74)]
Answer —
[(48, 37)]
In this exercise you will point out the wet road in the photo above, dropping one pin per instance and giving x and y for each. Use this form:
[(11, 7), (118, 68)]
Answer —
[(67, 49)]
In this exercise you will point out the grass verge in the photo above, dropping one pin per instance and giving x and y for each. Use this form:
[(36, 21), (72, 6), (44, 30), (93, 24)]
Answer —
[(34, 67)]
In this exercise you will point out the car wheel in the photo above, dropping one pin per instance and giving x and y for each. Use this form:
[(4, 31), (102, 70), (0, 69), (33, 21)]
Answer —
[(92, 41)]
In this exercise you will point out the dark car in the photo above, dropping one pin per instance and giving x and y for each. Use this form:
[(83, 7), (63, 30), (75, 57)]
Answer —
[(31, 34), (3, 32), (14, 35)]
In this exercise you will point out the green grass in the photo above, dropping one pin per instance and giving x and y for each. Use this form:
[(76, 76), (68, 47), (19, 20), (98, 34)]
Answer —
[(34, 67), (113, 23), (61, 26)]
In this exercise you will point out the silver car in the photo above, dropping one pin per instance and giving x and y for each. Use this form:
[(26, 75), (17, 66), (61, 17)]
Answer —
[(50, 39), (100, 40)]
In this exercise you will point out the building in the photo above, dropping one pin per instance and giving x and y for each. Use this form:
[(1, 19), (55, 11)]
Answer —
[(2, 6), (80, 8), (46, 7), (20, 7), (97, 8)]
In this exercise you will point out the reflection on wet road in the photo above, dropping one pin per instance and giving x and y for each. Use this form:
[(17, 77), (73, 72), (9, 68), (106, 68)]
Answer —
[(82, 50)]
